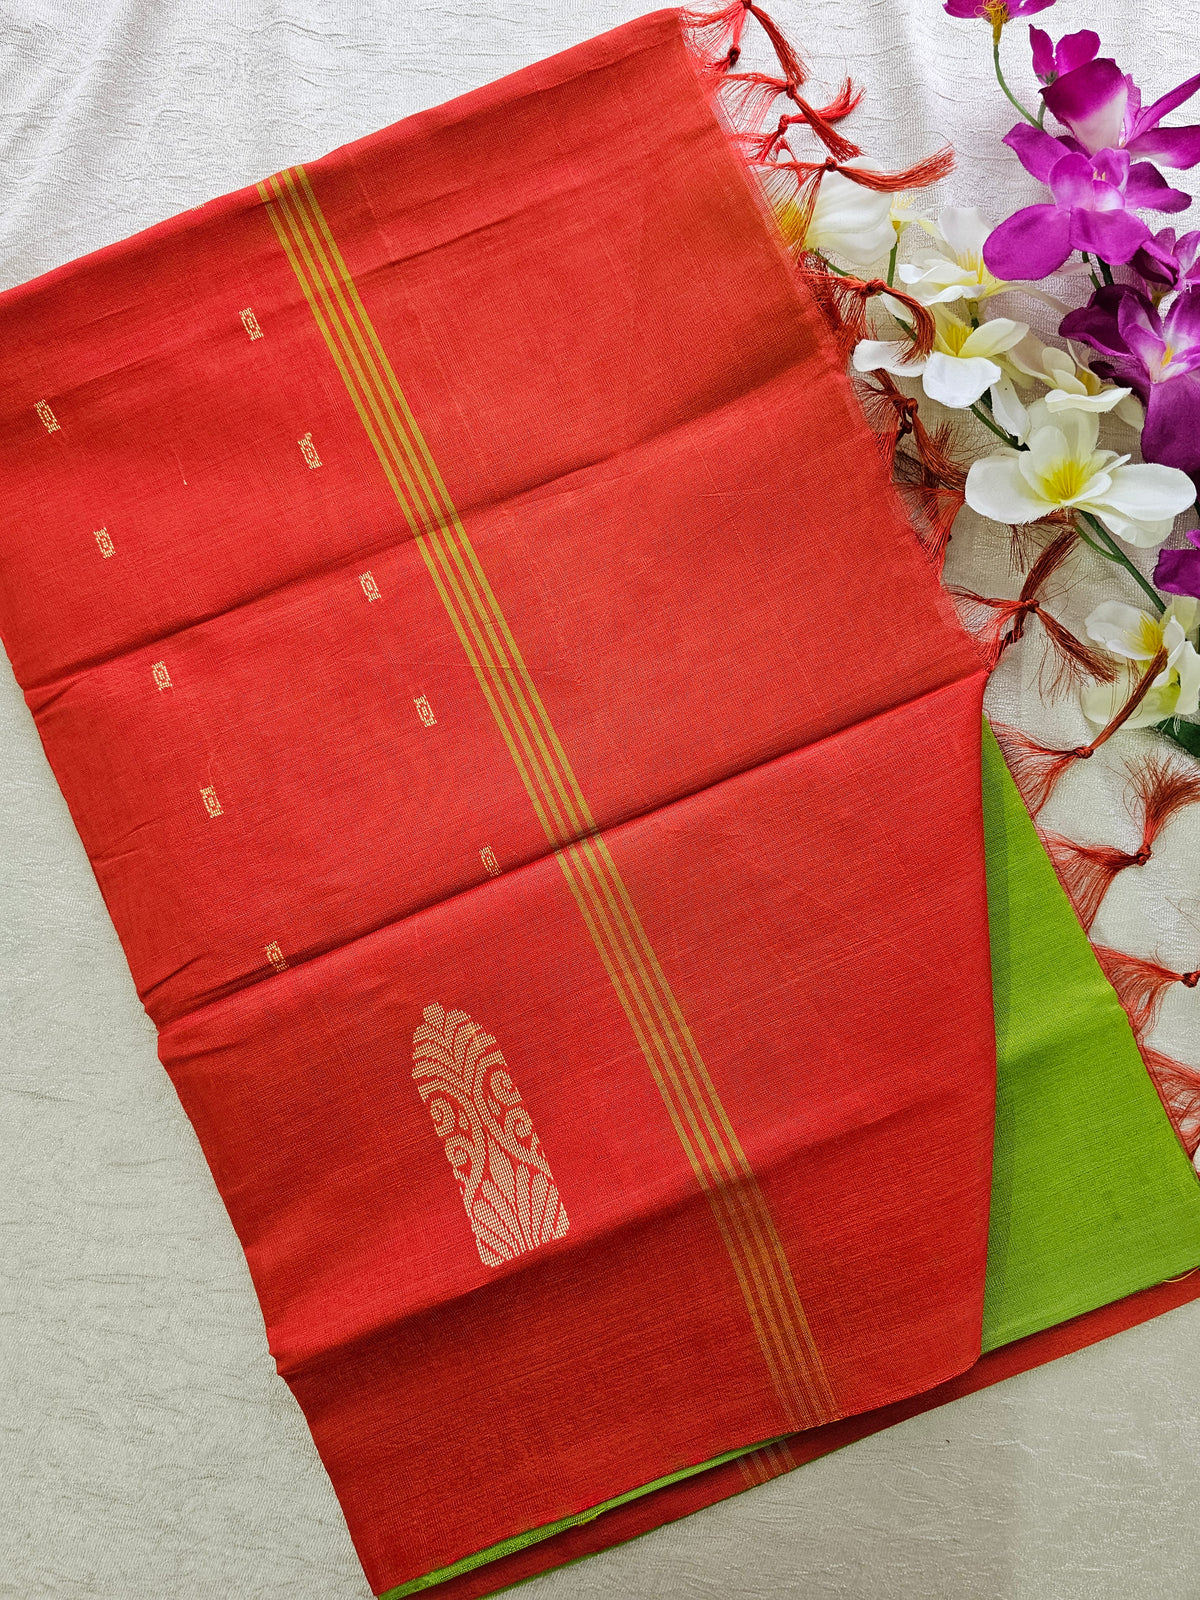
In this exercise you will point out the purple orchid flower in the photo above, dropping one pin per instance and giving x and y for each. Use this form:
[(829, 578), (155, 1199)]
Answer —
[(1178, 571), (1158, 357), (1102, 108), (1052, 60), (997, 12), (1169, 263), (1095, 197)]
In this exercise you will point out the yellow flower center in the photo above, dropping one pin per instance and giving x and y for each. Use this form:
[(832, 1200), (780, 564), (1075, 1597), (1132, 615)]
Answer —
[(1065, 480), (951, 336), (996, 12), (1150, 634)]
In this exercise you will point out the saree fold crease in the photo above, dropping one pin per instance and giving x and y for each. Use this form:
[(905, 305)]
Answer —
[(535, 775)]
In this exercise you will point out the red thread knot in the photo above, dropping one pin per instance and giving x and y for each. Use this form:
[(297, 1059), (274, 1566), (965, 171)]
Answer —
[(830, 164), (1141, 858), (907, 410), (873, 286), (731, 60), (1190, 979), (1083, 751)]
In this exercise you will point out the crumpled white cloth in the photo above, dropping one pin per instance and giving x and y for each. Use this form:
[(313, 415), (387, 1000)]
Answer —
[(148, 1450)]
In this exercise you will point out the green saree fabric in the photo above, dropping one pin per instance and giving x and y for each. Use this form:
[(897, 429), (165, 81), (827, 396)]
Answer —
[(1093, 1196)]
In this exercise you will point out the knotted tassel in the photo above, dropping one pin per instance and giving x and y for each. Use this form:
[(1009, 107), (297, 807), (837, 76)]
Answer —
[(1087, 871), (1161, 788), (793, 67), (1025, 538), (715, 37), (933, 168), (1003, 624), (844, 298), (747, 97), (1179, 1090), (1036, 768), (893, 414), (932, 497), (1141, 985)]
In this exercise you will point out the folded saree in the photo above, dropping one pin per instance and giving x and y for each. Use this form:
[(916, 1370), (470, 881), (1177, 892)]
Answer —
[(536, 778)]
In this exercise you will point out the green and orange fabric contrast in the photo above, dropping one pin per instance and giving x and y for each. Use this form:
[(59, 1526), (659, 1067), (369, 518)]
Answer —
[(536, 778)]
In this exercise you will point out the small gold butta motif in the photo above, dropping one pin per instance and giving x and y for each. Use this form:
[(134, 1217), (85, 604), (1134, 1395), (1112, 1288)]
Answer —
[(104, 539), (276, 956), (250, 323), (488, 856), (369, 587), (211, 804), (161, 676), (309, 450), (425, 712), (51, 421)]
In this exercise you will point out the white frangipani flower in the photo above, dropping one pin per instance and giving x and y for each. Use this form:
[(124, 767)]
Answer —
[(847, 220), (961, 365), (1062, 467), (1136, 637), (956, 271), (902, 214), (1072, 385), (1008, 410)]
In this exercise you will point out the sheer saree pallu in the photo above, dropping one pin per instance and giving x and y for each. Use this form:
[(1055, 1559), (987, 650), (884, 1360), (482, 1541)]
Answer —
[(535, 775)]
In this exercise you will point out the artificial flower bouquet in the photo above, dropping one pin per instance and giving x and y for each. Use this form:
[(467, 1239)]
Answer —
[(1123, 348), (1131, 349)]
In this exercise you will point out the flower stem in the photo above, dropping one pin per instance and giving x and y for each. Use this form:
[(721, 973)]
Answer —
[(825, 261), (1028, 115), (891, 271), (1096, 282), (1041, 116), (1105, 269), (978, 411), (1112, 551)]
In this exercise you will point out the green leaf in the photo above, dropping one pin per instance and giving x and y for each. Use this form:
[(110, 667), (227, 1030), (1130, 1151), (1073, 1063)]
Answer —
[(1186, 734)]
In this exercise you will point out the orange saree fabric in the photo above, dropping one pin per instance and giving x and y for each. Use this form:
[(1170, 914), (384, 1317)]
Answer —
[(534, 774)]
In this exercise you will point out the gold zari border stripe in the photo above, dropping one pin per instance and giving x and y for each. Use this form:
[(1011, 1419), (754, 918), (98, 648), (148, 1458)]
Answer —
[(700, 1121)]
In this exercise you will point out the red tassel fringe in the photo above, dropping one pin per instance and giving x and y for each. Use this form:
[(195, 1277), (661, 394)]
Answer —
[(1179, 1090), (1140, 985), (747, 98), (1036, 768), (998, 623), (1161, 789), (1087, 871)]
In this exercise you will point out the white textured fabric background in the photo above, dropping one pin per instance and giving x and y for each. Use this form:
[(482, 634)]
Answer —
[(148, 1449)]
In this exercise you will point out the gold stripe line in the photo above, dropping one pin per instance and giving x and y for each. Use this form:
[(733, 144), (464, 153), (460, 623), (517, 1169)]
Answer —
[(488, 674), (753, 1221), (518, 710), (721, 1193), (439, 519), (330, 310), (806, 1343), (442, 515), (767, 1345), (743, 1188)]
